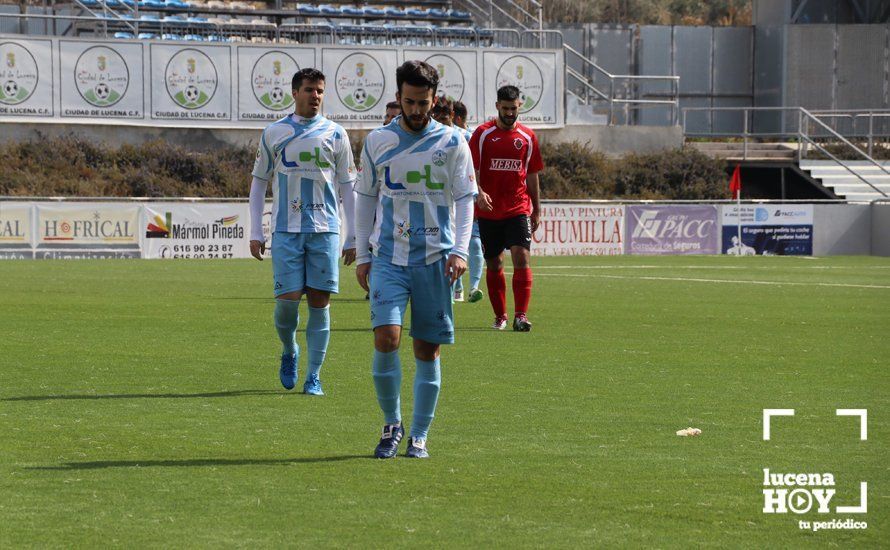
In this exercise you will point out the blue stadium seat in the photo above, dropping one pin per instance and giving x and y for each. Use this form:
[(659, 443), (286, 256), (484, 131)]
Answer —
[(129, 3), (217, 38), (463, 15), (394, 12), (177, 4), (175, 18), (124, 35), (196, 19), (438, 14), (352, 10), (417, 14), (327, 9), (112, 3), (193, 38), (374, 12), (151, 4), (90, 3), (170, 36), (147, 36), (149, 17), (308, 9)]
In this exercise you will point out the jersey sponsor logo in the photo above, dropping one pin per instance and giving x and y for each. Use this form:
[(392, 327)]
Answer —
[(405, 231), (297, 205), (413, 177), (306, 157), (506, 165)]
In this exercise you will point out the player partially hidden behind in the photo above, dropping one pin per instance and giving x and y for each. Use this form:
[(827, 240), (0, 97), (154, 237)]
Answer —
[(508, 208), (446, 112), (414, 205), (308, 160), (392, 111)]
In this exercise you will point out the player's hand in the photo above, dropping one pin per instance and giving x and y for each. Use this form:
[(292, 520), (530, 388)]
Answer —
[(361, 273), (536, 220), (257, 248), (455, 266), (483, 201), (348, 256)]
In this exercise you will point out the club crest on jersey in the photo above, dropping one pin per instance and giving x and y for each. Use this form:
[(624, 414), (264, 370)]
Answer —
[(517, 143), (413, 177), (439, 157)]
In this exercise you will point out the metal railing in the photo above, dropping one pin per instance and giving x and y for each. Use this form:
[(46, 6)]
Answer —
[(624, 90), (802, 134)]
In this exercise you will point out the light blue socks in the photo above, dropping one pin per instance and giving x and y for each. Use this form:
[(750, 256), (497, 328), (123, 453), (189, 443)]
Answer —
[(318, 334), (387, 371), (476, 262), (287, 317), (427, 381)]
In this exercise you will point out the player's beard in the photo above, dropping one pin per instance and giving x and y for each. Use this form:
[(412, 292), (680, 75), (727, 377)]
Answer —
[(507, 121), (416, 125)]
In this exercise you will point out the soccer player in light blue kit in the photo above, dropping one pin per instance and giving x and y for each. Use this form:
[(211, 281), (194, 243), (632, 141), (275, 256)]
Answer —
[(307, 159), (454, 113), (414, 207)]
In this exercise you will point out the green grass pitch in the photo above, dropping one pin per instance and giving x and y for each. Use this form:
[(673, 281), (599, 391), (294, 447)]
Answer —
[(140, 406)]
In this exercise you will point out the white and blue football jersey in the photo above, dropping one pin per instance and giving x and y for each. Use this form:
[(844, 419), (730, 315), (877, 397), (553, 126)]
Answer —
[(304, 160), (468, 134), (417, 179)]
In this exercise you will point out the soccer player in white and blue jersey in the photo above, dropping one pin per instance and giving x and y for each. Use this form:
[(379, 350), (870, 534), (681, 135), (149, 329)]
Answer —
[(414, 209), (308, 160)]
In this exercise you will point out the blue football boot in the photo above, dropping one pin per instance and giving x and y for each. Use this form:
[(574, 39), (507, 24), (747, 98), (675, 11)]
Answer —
[(312, 386), (416, 448), (288, 371), (389, 442)]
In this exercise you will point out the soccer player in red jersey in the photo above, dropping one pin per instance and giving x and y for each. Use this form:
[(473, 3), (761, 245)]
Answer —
[(507, 160)]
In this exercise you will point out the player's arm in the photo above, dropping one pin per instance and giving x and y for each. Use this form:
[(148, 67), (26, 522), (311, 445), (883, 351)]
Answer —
[(535, 165), (366, 191), (464, 191), (262, 173), (345, 174), (483, 200), (534, 192)]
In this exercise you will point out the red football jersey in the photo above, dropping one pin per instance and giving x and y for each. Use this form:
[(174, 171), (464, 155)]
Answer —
[(503, 159)]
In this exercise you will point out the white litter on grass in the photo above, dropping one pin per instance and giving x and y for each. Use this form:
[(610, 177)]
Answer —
[(689, 432)]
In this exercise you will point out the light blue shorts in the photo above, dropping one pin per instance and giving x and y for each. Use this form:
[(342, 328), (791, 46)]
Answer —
[(432, 319), (475, 232), (305, 260)]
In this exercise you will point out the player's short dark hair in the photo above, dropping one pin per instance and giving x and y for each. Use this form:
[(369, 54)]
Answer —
[(417, 73), (393, 105), (443, 105), (508, 93), (308, 74), (460, 110)]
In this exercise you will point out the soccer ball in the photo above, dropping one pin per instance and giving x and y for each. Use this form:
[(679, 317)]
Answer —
[(11, 88), (102, 91), (276, 95), (192, 93), (360, 95)]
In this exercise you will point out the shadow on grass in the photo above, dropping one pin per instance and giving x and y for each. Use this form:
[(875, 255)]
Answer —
[(236, 393), (198, 462)]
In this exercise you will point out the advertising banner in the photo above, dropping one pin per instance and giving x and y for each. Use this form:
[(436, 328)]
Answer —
[(15, 231), (531, 72), (681, 229), (768, 230), (26, 78), (101, 80), (568, 229), (264, 80), (195, 230), (457, 77), (359, 85), (87, 230), (191, 83)]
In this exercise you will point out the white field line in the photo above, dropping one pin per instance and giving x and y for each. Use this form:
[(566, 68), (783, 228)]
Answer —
[(698, 280), (706, 267)]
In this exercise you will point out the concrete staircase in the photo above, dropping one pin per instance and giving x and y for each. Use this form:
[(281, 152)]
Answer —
[(735, 151), (846, 185)]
